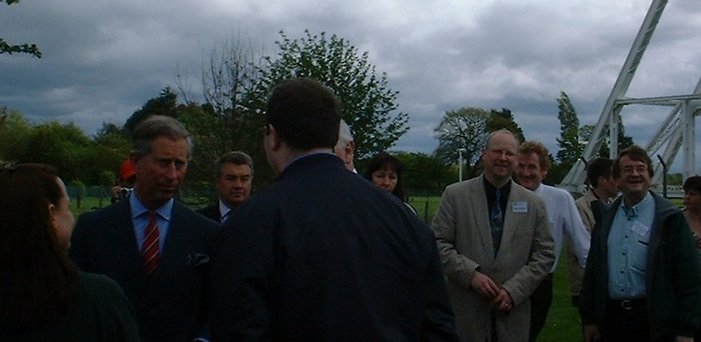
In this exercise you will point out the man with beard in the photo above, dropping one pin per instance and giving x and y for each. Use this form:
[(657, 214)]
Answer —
[(643, 280)]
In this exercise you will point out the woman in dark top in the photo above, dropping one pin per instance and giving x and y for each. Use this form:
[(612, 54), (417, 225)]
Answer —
[(385, 171), (43, 297)]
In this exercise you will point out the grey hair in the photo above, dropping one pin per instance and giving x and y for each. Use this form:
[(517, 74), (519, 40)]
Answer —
[(157, 126), (233, 157), (344, 134)]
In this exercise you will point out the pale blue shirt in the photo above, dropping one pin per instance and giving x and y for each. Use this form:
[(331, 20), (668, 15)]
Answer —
[(224, 212), (627, 249), (139, 219)]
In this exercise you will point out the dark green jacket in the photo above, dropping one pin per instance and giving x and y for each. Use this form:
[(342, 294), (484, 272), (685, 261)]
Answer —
[(673, 278)]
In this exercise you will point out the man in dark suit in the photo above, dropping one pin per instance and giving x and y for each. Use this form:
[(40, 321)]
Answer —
[(153, 246), (323, 254), (233, 176)]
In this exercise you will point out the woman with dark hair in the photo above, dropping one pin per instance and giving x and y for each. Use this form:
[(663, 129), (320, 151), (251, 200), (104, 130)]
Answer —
[(692, 212), (385, 171), (692, 206), (43, 297)]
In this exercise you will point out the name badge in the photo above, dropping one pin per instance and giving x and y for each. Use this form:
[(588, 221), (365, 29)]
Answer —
[(640, 229), (519, 207)]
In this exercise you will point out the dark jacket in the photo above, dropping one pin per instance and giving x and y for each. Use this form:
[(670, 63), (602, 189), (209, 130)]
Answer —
[(211, 212), (324, 255), (172, 305), (673, 278)]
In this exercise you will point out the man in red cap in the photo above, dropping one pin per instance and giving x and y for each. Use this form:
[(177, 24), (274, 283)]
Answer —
[(125, 181)]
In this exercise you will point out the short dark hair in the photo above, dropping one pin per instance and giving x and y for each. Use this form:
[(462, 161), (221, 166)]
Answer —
[(692, 183), (636, 153), (384, 160), (304, 113), (28, 242), (157, 126), (233, 157), (599, 167)]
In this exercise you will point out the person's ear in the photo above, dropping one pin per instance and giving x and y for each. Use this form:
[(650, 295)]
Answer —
[(52, 216), (274, 138)]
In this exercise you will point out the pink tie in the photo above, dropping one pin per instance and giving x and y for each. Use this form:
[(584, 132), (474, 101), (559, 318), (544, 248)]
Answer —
[(151, 249)]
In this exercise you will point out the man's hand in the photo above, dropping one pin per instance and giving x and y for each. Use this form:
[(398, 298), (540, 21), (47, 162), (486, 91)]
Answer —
[(484, 285), (684, 339), (503, 301), (591, 333)]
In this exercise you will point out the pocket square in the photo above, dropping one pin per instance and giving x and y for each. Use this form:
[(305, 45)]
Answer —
[(197, 259)]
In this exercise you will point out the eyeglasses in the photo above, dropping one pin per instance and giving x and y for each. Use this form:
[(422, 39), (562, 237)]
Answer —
[(500, 153), (638, 169)]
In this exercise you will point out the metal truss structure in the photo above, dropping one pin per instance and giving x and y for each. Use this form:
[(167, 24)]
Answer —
[(676, 131)]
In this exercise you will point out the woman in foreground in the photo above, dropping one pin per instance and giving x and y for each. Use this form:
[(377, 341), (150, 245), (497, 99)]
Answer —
[(43, 297)]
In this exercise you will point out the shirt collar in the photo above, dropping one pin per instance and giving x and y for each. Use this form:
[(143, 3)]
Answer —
[(138, 208)]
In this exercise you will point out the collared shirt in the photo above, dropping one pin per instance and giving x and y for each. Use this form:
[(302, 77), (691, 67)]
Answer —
[(564, 221), (627, 249), (224, 212), (490, 191), (139, 219)]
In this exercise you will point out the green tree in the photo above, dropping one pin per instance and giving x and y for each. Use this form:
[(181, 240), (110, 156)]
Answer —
[(369, 105), (465, 129), (67, 148), (570, 146), (9, 49), (164, 104), (15, 134), (504, 119), (424, 174)]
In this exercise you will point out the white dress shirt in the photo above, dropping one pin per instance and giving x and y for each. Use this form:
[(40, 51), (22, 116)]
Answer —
[(565, 220)]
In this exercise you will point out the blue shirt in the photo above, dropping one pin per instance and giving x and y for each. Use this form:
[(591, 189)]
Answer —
[(627, 249), (139, 219)]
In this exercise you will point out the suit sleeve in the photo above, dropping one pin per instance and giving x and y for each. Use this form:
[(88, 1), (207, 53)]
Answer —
[(457, 267), (576, 231), (78, 251), (686, 275), (240, 296), (540, 261), (439, 322), (595, 260)]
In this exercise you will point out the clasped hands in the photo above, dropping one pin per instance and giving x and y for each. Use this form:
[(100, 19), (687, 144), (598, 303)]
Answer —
[(488, 288)]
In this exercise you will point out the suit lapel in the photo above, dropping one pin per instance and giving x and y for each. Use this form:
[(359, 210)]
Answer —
[(480, 209), (510, 224)]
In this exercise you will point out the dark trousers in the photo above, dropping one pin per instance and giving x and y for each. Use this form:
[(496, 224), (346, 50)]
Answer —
[(541, 299), (625, 321)]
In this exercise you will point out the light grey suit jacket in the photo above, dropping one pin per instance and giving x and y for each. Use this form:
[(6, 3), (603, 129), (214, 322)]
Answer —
[(525, 256)]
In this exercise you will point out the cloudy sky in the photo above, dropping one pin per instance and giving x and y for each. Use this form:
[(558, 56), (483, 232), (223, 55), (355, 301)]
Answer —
[(104, 59)]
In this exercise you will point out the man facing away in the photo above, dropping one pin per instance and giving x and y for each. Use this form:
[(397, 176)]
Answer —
[(234, 180), (154, 247), (591, 205), (643, 280), (531, 169), (495, 245), (322, 254)]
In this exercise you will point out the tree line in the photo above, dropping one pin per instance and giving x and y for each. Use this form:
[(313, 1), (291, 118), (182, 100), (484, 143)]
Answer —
[(236, 83)]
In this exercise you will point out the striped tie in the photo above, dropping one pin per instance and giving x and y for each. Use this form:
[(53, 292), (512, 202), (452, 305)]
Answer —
[(151, 249)]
